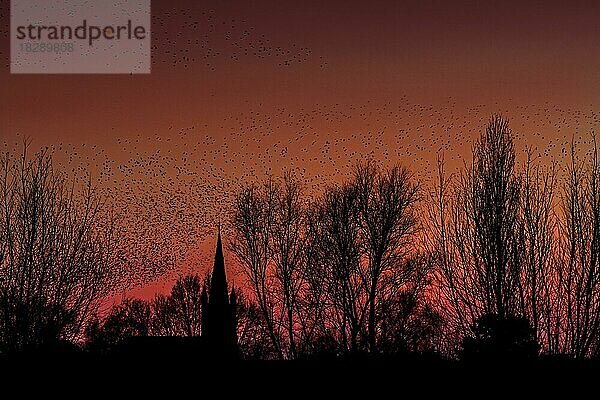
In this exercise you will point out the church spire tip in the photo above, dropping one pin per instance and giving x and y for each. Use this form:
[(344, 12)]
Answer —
[(218, 289)]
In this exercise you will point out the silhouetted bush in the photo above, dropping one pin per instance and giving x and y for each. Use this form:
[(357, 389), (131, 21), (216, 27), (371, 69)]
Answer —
[(496, 338)]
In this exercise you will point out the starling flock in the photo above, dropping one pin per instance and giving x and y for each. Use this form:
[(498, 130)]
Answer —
[(170, 187)]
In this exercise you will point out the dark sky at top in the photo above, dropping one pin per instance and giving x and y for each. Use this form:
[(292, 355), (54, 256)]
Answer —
[(241, 89)]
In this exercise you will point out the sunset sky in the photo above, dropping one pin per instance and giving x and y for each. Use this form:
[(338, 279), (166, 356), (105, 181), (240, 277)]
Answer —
[(242, 89)]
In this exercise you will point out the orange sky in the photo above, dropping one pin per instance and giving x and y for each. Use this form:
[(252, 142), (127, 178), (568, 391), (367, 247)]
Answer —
[(240, 89)]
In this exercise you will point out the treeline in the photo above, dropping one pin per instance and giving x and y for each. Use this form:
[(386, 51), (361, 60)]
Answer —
[(516, 251), (497, 260), (178, 313), (59, 253), (343, 273)]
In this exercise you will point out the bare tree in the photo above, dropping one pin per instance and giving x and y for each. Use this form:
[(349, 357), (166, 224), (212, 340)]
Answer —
[(314, 296), (580, 256), (163, 316), (287, 250), (130, 318), (339, 253), (478, 238), (410, 323), (269, 223), (323, 270), (387, 221), (492, 196), (253, 338), (538, 283), (59, 253), (186, 305), (251, 221)]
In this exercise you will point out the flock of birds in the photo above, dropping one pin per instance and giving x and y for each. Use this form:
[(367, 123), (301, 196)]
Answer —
[(171, 188), (208, 39), (4, 33), (203, 37)]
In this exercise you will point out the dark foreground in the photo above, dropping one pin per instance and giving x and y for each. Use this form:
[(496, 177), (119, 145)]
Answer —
[(139, 375)]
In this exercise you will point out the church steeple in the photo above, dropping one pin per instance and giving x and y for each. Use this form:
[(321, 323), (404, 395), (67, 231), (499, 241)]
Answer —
[(219, 309), (218, 283)]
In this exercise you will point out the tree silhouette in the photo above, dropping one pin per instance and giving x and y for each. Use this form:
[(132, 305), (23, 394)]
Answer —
[(59, 253), (386, 216), (251, 222), (410, 324), (287, 251), (130, 318), (180, 313), (479, 231), (339, 250), (322, 270), (500, 264), (579, 257), (539, 231), (253, 338), (187, 306), (163, 316)]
